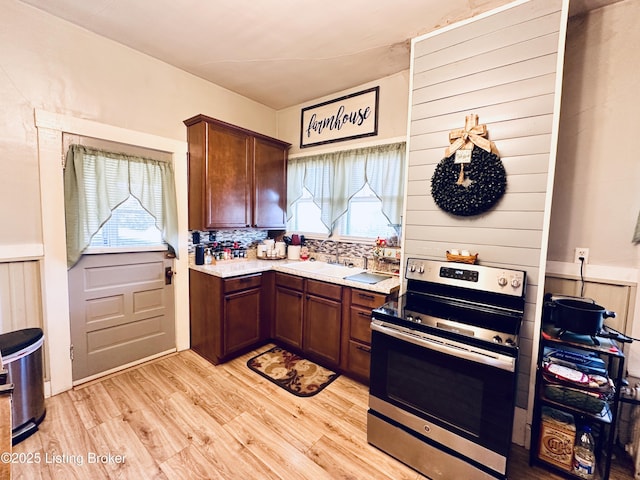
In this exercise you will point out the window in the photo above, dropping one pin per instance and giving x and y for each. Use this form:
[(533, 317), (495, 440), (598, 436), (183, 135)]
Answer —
[(115, 200), (306, 216), (355, 193), (364, 218), (130, 225)]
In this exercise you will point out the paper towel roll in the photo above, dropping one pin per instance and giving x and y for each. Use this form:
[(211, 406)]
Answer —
[(293, 252)]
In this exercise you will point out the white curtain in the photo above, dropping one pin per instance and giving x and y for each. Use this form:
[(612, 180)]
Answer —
[(96, 182), (334, 178)]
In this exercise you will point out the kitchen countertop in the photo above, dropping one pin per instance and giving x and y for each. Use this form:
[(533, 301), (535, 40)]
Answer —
[(234, 268)]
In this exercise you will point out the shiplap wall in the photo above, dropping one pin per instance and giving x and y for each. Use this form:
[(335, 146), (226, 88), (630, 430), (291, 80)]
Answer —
[(501, 67)]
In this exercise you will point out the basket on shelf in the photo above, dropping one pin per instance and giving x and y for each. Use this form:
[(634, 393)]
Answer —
[(462, 258)]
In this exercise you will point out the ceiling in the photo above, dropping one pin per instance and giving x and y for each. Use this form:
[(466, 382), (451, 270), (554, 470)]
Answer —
[(277, 52)]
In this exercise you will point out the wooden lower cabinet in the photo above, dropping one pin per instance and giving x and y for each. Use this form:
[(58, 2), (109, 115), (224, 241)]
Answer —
[(308, 317), (323, 329), (289, 310), (241, 326), (357, 340), (327, 323), (227, 315)]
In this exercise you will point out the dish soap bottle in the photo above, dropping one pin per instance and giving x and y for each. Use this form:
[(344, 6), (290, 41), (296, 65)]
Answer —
[(584, 459)]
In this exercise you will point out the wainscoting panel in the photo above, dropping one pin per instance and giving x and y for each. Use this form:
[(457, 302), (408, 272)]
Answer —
[(20, 295)]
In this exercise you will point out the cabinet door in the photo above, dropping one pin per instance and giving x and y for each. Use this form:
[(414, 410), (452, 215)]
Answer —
[(270, 184), (322, 328), (241, 320), (359, 360), (205, 308), (228, 178), (288, 316)]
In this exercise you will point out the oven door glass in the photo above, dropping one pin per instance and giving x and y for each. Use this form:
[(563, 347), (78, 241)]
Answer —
[(470, 399)]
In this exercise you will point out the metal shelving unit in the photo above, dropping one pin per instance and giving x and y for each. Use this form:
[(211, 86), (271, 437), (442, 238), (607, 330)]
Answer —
[(602, 423)]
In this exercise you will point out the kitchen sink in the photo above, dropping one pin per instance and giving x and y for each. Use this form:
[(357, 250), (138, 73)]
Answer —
[(327, 269), (366, 277)]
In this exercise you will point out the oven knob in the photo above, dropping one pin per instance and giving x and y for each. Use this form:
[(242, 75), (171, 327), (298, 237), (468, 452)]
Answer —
[(418, 320), (497, 339), (510, 342), (515, 282), (412, 267), (410, 318), (421, 269), (502, 280)]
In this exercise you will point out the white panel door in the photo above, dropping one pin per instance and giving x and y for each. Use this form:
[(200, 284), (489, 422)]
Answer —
[(122, 310)]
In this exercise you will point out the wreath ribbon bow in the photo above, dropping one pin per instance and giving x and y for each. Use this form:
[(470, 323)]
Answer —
[(471, 134)]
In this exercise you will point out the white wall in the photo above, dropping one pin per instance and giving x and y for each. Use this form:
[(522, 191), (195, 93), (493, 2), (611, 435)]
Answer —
[(392, 116), (595, 199), (52, 65)]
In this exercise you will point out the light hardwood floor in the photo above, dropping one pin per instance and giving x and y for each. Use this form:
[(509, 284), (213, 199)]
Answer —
[(179, 417)]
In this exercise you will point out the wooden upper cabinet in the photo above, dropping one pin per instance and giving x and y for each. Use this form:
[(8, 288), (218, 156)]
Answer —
[(237, 178), (270, 182), (227, 178)]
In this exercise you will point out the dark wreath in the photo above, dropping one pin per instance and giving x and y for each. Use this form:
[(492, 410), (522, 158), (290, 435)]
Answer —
[(485, 182)]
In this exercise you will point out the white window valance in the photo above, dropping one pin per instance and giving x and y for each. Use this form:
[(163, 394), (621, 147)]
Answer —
[(334, 178)]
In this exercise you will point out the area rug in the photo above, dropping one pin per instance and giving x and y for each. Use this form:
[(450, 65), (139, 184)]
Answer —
[(292, 372)]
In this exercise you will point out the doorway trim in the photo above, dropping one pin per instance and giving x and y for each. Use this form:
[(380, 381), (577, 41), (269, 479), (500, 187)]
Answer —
[(55, 289)]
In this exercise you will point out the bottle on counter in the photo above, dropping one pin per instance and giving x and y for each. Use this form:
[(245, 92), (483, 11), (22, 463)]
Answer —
[(584, 458), (199, 254), (208, 258)]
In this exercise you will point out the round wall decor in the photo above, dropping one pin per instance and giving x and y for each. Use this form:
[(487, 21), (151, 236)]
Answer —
[(484, 181)]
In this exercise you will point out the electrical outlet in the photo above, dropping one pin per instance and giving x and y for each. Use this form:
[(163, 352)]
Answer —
[(581, 252)]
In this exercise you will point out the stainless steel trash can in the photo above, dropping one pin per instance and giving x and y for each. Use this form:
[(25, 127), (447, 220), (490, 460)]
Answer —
[(22, 358)]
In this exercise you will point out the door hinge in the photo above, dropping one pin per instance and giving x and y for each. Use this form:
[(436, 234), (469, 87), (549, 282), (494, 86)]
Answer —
[(71, 352)]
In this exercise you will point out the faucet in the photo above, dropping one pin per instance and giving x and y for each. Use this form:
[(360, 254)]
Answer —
[(337, 260)]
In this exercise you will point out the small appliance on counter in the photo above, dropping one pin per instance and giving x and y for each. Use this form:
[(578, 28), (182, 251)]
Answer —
[(579, 316)]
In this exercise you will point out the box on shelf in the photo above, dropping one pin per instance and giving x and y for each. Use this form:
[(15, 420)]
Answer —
[(557, 437)]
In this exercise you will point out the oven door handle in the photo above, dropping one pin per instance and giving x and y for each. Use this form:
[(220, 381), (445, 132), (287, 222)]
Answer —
[(503, 362)]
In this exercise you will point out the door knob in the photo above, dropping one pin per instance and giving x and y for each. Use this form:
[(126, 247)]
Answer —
[(168, 275)]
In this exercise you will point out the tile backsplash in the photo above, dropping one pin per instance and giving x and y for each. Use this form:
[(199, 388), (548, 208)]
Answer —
[(323, 250)]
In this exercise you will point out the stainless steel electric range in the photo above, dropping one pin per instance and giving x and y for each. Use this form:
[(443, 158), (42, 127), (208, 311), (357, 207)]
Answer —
[(444, 369)]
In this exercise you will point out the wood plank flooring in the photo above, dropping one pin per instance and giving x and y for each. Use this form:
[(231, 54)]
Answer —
[(179, 417)]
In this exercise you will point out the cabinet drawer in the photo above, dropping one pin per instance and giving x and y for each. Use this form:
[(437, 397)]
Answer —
[(289, 281), (367, 299), (242, 283), (323, 289), (359, 359), (360, 328)]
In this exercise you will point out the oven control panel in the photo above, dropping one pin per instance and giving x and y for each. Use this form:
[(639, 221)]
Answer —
[(476, 277)]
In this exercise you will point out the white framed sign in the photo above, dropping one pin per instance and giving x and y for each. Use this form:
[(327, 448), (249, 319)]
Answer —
[(345, 118)]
